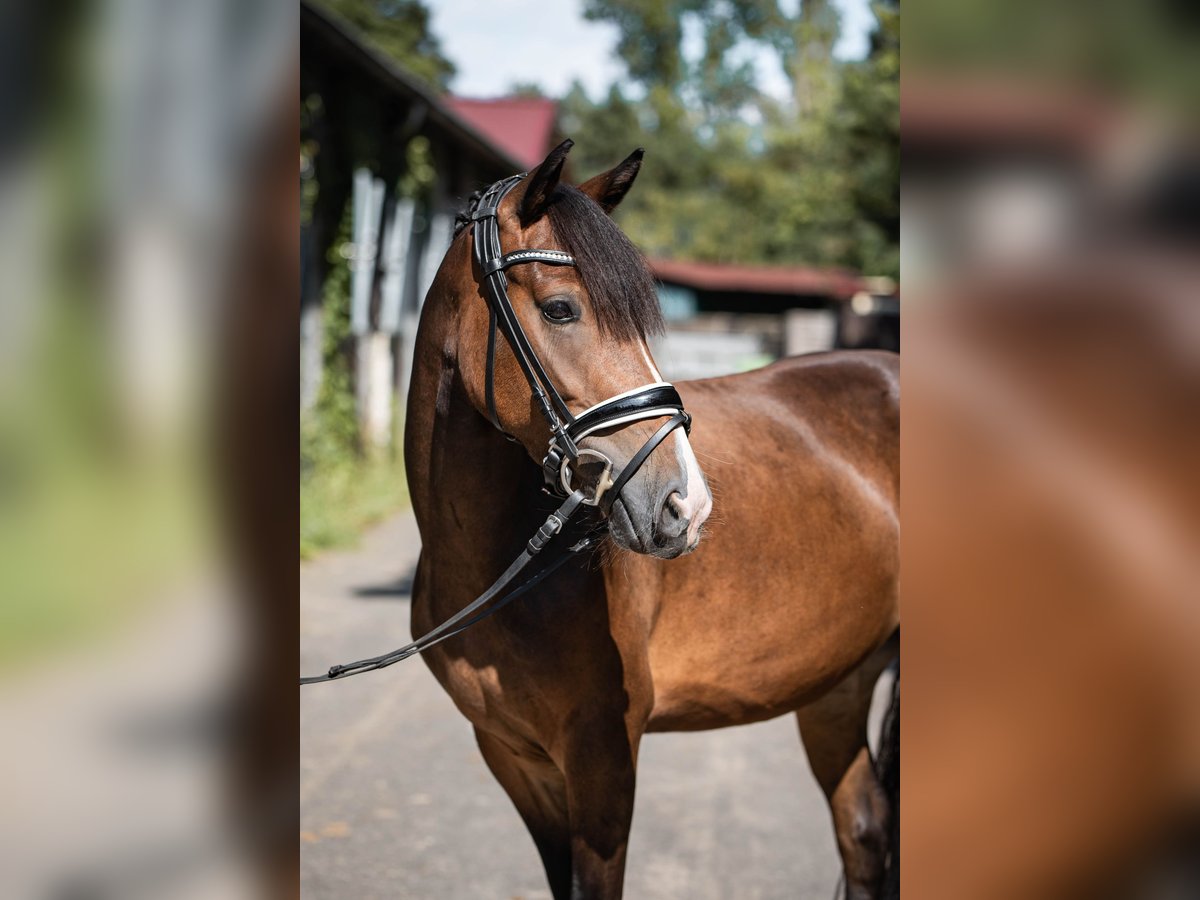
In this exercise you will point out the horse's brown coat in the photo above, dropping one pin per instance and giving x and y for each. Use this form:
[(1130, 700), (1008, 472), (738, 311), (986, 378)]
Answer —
[(782, 608)]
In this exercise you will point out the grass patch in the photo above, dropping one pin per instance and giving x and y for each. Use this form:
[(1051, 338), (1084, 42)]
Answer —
[(97, 521), (87, 546), (337, 502), (345, 485)]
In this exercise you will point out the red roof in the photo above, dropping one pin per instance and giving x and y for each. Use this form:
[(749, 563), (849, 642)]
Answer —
[(521, 126), (990, 112), (790, 280)]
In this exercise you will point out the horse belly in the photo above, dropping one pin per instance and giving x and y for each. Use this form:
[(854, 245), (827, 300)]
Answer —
[(709, 678)]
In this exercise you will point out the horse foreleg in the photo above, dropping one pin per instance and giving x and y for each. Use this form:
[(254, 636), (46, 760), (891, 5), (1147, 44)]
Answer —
[(538, 790), (578, 814), (600, 768), (834, 731)]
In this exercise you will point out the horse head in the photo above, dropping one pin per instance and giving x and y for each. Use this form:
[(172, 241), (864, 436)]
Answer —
[(586, 324)]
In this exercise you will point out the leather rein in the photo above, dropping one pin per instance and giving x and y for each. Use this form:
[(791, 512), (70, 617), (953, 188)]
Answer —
[(651, 401)]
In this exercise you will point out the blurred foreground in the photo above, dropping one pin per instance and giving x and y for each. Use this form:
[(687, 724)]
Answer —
[(147, 395), (1051, 430), (114, 778)]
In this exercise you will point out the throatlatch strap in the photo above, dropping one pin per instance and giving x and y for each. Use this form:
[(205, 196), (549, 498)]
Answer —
[(490, 377)]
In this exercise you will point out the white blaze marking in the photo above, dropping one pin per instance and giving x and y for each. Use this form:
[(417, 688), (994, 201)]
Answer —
[(650, 362), (698, 503)]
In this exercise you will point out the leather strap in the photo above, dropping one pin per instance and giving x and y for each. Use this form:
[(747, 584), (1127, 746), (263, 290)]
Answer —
[(490, 379), (554, 524), (641, 404), (550, 257), (680, 418), (489, 257)]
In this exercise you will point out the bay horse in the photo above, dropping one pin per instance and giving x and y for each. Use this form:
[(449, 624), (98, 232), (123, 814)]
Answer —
[(783, 600)]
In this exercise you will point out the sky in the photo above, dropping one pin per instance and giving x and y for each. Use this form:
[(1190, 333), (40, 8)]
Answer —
[(471, 33)]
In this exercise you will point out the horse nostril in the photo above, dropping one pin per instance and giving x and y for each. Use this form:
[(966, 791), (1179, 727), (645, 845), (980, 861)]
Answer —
[(671, 520)]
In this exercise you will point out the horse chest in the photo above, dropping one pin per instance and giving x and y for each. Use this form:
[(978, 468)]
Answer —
[(500, 696)]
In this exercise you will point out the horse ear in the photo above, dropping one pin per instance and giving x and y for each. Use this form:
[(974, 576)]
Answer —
[(541, 184), (609, 188)]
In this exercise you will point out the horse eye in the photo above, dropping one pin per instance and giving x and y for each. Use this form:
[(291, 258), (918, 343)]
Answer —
[(559, 311)]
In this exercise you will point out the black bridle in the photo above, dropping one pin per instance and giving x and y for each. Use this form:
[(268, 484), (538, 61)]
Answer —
[(651, 401)]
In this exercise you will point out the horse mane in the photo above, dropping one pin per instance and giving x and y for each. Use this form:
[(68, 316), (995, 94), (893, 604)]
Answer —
[(612, 269)]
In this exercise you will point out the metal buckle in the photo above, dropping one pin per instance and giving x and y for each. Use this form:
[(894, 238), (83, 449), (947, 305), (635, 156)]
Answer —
[(603, 483)]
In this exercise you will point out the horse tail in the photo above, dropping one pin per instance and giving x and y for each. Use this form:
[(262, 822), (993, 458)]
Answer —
[(887, 770)]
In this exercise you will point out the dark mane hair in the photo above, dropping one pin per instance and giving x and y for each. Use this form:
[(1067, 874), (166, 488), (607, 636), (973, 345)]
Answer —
[(614, 272), (612, 269)]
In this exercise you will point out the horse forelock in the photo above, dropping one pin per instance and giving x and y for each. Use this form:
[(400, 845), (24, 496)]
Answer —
[(612, 269)]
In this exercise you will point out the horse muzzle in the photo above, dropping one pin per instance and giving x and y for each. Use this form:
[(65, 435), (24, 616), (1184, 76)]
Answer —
[(655, 523)]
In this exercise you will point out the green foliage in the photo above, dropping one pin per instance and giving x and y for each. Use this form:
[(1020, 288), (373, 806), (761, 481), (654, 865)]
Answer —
[(329, 434), (525, 90), (734, 175), (337, 503), (652, 33), (732, 191), (342, 487), (400, 28), (869, 130), (345, 485), (651, 44), (312, 108), (420, 174)]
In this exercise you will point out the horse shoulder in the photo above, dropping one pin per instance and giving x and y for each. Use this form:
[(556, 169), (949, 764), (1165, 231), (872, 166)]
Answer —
[(847, 403)]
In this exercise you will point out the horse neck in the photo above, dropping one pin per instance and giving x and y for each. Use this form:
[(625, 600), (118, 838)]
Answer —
[(468, 484)]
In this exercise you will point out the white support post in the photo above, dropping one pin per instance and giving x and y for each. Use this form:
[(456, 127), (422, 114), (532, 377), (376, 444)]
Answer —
[(368, 212)]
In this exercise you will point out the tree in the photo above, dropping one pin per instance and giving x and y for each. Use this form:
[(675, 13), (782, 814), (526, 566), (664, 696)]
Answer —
[(870, 132), (733, 174), (400, 28), (652, 38), (528, 90)]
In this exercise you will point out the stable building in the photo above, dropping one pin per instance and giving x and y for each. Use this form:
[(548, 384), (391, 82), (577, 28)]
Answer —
[(731, 318)]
